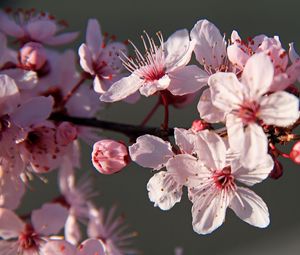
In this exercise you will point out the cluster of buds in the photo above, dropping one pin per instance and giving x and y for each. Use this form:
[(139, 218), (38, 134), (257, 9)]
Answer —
[(248, 104)]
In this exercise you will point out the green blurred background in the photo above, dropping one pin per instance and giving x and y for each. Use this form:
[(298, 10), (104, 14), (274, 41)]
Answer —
[(160, 232)]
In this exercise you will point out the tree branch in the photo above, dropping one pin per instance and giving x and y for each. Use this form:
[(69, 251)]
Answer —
[(133, 131)]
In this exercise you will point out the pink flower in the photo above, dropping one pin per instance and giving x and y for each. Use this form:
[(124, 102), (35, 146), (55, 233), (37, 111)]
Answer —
[(33, 56), (46, 221), (109, 156), (27, 25), (295, 153), (66, 133), (100, 58), (160, 68), (247, 106), (111, 231), (211, 178)]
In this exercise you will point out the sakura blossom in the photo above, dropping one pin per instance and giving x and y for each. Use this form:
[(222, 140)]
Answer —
[(162, 67), (51, 115)]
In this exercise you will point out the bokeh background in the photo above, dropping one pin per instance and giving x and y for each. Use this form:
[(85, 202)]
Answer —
[(160, 232)]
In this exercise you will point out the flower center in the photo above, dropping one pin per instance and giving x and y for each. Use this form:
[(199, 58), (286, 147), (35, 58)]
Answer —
[(248, 112), (149, 66), (28, 239), (224, 179)]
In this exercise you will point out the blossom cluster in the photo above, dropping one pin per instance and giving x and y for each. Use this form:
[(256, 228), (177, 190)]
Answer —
[(248, 104)]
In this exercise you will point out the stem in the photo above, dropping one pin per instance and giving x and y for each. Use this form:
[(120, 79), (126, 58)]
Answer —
[(150, 114), (73, 90), (166, 107), (279, 152), (133, 131)]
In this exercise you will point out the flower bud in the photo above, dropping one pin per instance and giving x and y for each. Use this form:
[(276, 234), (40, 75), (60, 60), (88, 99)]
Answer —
[(295, 153), (199, 125), (33, 56), (109, 156), (277, 171), (66, 133)]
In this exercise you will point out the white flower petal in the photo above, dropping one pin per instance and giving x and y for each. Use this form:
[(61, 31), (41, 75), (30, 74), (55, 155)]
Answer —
[(55, 247), (186, 80), (258, 75), (94, 38), (184, 139), (250, 208), (151, 151), (209, 213), (10, 224), (164, 191), (255, 175), (226, 91), (56, 216), (122, 88), (294, 56), (210, 149), (178, 50), (72, 230), (210, 46), (280, 109), (9, 95), (91, 247), (86, 61), (208, 111)]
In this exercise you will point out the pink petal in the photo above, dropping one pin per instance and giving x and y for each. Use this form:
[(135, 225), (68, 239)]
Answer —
[(86, 61), (62, 38), (237, 56), (186, 80), (187, 170), (9, 26), (94, 38), (41, 30), (122, 88), (110, 54), (210, 149), (164, 191), (99, 85), (209, 213), (255, 145), (49, 219), (91, 246), (66, 177), (72, 230), (226, 91), (149, 89), (208, 111), (150, 151), (10, 224), (34, 111), (235, 131), (250, 208), (60, 247), (294, 57), (25, 79), (258, 75), (280, 109), (9, 95), (178, 50), (210, 48), (184, 139), (255, 175)]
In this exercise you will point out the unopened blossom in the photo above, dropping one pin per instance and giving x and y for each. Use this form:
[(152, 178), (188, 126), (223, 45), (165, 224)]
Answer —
[(33, 56), (28, 25), (28, 238), (99, 57), (109, 156), (295, 153), (211, 179), (162, 67), (111, 230), (199, 125), (247, 106)]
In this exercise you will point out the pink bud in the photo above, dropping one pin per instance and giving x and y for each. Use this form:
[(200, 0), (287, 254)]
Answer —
[(109, 156), (295, 153), (66, 133), (199, 125), (33, 56)]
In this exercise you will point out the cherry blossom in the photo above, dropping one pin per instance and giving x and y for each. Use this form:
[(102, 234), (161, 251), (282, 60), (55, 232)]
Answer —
[(161, 68), (27, 25), (247, 107), (211, 178)]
